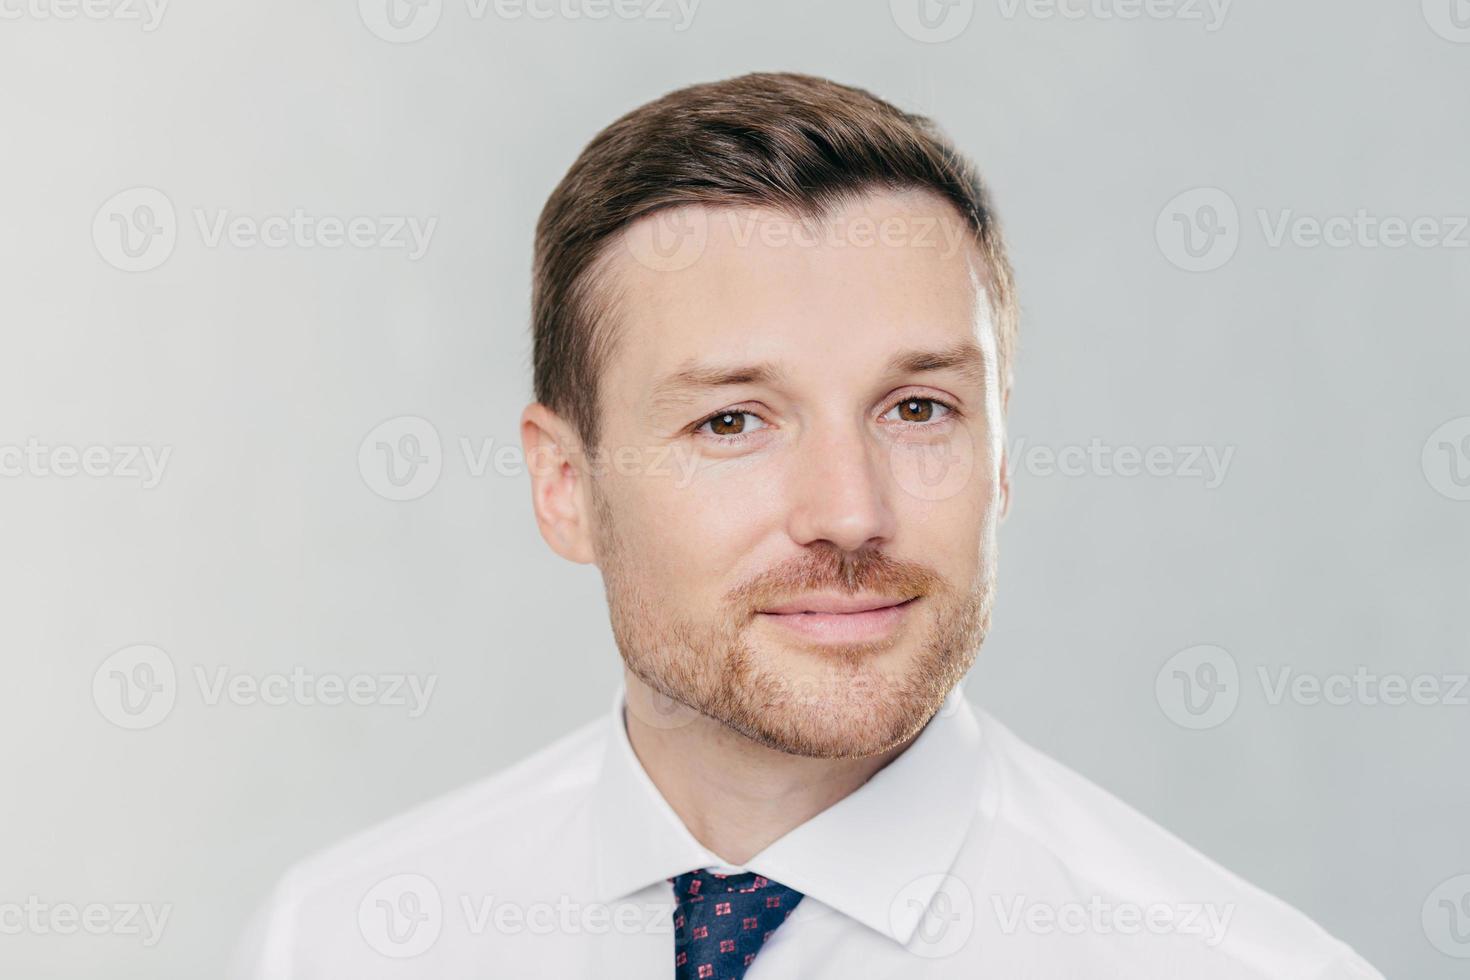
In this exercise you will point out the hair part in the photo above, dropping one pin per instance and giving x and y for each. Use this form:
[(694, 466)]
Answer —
[(793, 143)]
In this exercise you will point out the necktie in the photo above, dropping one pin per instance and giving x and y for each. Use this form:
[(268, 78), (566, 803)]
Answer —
[(721, 922)]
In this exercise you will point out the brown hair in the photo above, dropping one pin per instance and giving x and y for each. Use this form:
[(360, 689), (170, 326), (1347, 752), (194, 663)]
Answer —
[(795, 143)]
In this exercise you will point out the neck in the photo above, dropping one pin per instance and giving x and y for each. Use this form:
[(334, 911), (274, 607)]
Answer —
[(735, 795)]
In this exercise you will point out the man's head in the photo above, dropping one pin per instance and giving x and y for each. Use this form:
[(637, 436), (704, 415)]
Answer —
[(773, 327)]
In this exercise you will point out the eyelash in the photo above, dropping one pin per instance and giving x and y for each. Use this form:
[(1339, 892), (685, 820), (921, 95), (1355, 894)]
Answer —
[(951, 411)]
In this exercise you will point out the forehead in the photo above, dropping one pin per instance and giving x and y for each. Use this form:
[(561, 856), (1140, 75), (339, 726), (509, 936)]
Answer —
[(885, 271)]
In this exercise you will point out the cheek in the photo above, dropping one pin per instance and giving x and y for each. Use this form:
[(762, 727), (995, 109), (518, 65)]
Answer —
[(684, 528), (956, 471), (951, 536), (946, 498)]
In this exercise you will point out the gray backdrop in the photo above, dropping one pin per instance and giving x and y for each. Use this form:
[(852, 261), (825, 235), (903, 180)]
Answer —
[(1240, 236)]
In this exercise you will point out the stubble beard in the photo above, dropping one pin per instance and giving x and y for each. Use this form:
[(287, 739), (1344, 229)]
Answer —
[(836, 701)]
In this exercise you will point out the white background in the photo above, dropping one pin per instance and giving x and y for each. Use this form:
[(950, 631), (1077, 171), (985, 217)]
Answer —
[(1336, 539)]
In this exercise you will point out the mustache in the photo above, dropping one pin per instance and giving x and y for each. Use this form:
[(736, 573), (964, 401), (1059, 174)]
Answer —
[(829, 568)]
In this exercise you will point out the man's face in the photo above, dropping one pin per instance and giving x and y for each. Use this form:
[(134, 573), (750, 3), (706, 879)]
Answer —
[(798, 538)]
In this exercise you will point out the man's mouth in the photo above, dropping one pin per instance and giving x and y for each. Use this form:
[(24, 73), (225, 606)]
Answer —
[(834, 618)]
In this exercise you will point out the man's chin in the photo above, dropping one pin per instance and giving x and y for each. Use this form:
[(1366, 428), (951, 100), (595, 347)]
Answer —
[(837, 713), (819, 699), (823, 733)]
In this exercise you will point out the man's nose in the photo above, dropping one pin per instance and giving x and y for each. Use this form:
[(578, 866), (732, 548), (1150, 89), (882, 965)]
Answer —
[(838, 489)]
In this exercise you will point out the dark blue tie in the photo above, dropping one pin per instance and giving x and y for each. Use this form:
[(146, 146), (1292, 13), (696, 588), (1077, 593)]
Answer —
[(721, 922)]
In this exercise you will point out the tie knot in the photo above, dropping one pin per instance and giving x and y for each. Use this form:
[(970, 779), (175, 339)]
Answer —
[(697, 884), (721, 921)]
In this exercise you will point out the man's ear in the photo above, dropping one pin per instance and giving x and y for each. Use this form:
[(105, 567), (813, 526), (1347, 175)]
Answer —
[(559, 493), (1005, 459)]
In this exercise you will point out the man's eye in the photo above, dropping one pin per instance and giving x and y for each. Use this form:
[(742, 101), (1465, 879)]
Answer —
[(732, 423), (918, 410)]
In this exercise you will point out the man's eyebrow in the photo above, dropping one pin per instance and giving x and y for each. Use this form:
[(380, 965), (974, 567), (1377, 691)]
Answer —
[(694, 377), (966, 357), (691, 378)]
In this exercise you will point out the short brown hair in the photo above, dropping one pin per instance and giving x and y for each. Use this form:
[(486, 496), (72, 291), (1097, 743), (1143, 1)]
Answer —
[(795, 143)]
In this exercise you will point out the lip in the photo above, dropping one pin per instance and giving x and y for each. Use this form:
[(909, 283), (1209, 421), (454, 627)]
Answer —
[(841, 619), (840, 604)]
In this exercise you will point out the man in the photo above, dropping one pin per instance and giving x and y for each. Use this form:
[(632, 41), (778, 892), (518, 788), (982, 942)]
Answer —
[(774, 327)]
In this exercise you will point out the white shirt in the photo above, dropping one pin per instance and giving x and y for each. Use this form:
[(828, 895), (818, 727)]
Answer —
[(969, 855)]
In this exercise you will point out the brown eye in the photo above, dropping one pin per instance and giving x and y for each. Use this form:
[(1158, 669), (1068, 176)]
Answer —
[(728, 424), (916, 410), (732, 426)]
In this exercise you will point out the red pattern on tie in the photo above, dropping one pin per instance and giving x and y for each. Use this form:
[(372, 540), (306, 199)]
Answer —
[(719, 939)]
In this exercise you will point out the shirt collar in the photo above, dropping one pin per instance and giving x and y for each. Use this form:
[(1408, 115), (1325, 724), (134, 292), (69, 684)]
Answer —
[(892, 838), (638, 838)]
